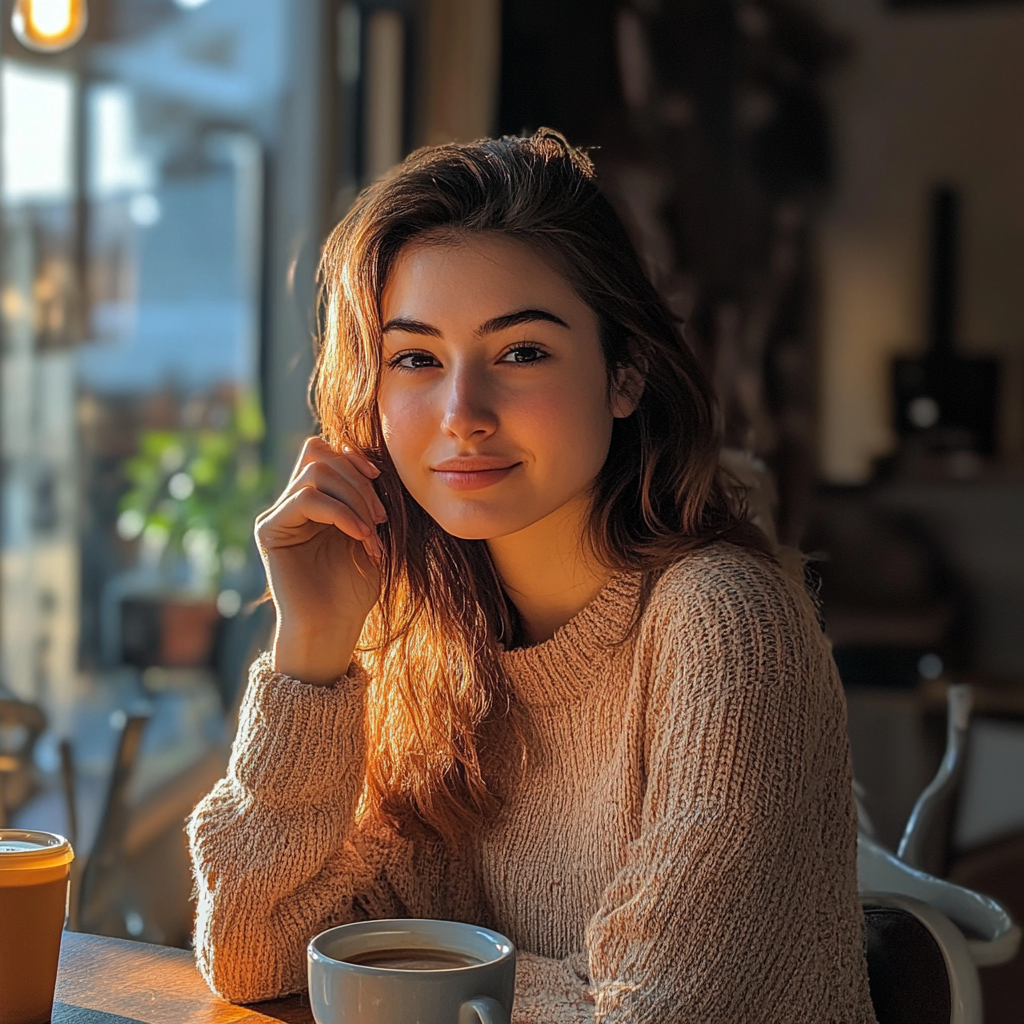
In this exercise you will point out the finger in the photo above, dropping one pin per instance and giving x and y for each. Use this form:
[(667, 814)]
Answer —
[(353, 460), (374, 549), (367, 556), (309, 505), (342, 481), (316, 451), (313, 450), (338, 471), (350, 458), (365, 466)]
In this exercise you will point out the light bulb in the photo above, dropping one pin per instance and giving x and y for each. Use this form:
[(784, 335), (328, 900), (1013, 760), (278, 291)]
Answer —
[(49, 25)]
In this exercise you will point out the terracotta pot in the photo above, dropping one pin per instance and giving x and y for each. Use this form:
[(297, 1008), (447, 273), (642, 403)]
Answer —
[(170, 632)]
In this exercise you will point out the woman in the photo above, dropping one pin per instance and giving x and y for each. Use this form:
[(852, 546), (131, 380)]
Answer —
[(531, 669)]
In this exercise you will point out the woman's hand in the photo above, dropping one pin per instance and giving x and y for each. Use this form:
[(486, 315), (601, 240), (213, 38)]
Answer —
[(320, 548)]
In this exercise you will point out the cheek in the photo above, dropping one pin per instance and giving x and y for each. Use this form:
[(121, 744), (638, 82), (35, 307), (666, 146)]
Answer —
[(405, 416), (570, 424)]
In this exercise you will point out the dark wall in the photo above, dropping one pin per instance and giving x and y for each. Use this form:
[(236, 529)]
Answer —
[(714, 144), (558, 67)]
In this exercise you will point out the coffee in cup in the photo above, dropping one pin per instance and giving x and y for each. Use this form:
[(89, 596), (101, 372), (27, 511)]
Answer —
[(413, 959), (411, 971), (34, 871)]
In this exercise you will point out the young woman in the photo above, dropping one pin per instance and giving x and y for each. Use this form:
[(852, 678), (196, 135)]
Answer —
[(531, 667)]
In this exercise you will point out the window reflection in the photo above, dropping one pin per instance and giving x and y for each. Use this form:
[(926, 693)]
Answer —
[(38, 111), (132, 432)]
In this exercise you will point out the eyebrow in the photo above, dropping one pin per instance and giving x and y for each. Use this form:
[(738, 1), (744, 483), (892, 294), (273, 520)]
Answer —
[(522, 316), (499, 323), (409, 326)]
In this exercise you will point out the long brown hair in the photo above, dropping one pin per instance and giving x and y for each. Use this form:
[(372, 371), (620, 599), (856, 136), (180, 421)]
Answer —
[(432, 642)]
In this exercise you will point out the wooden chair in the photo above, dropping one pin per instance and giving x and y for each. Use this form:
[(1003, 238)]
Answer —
[(21, 725), (100, 903)]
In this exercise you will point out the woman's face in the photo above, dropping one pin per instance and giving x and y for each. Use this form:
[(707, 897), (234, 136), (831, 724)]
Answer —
[(494, 396)]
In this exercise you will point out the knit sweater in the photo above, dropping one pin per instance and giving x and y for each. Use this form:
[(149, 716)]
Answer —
[(679, 848)]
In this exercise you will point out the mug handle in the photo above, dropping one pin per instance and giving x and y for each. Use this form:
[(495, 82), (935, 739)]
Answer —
[(484, 1010)]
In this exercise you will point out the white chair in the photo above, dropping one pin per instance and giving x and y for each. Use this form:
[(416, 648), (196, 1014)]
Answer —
[(926, 937), (990, 934), (919, 965)]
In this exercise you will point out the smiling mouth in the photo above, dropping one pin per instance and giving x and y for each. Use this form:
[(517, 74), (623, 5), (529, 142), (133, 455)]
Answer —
[(473, 474)]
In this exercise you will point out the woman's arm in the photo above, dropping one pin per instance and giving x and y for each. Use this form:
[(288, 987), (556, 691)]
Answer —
[(552, 991), (275, 851), (737, 902)]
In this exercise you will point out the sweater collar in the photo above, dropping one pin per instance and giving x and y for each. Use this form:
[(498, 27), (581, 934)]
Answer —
[(562, 669)]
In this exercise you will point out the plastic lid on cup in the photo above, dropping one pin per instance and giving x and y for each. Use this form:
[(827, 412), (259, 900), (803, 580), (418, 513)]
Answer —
[(24, 850)]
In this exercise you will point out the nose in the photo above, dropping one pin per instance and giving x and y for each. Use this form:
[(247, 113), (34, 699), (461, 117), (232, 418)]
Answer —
[(469, 410)]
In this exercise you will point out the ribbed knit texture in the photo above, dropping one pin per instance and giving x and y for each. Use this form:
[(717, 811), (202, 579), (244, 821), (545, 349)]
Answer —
[(681, 847)]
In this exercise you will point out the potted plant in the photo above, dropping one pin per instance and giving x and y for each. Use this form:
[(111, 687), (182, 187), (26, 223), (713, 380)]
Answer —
[(194, 494)]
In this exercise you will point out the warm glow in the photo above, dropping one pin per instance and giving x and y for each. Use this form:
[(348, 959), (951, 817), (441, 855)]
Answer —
[(49, 25), (51, 17)]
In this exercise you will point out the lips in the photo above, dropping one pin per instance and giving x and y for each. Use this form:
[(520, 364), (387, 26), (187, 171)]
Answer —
[(474, 472)]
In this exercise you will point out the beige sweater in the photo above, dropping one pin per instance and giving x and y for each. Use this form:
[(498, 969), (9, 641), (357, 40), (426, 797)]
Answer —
[(681, 848)]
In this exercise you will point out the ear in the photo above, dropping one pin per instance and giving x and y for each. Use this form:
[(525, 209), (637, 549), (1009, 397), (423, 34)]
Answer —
[(627, 387)]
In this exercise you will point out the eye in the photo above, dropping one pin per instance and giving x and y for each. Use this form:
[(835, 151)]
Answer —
[(413, 361), (524, 354)]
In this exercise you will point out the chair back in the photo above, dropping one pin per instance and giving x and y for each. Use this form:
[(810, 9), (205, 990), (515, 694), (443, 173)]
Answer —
[(100, 896), (21, 725), (242, 639)]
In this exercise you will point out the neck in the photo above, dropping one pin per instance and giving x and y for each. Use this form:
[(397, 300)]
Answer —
[(546, 571)]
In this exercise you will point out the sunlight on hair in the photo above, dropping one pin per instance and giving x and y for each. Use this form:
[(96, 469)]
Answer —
[(433, 644)]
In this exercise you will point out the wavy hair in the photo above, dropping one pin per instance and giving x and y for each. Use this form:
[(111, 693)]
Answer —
[(432, 643)]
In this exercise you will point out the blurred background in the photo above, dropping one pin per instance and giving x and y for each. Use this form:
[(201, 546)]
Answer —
[(830, 192)]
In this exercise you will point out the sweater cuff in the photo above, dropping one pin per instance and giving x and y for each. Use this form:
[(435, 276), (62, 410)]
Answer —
[(298, 742), (552, 991)]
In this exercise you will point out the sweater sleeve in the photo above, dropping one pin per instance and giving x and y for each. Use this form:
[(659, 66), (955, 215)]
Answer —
[(550, 991), (276, 853), (738, 898)]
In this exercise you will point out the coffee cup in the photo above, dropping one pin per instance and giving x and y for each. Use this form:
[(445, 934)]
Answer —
[(411, 971), (34, 870)]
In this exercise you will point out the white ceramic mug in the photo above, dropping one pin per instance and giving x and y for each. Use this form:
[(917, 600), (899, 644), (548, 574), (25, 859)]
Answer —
[(477, 986)]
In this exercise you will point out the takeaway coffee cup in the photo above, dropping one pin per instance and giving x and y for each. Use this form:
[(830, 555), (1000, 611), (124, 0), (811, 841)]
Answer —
[(411, 972), (34, 869)]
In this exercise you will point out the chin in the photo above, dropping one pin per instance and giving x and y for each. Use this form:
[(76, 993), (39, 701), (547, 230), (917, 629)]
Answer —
[(468, 530), (479, 527)]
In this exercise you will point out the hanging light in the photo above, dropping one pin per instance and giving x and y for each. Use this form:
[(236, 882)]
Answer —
[(49, 25)]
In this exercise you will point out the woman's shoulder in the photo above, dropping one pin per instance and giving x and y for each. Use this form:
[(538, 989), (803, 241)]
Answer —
[(722, 570), (732, 592), (725, 623)]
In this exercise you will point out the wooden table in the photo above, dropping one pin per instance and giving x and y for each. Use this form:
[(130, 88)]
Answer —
[(110, 981)]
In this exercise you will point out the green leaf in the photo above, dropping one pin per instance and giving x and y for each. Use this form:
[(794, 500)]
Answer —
[(249, 417)]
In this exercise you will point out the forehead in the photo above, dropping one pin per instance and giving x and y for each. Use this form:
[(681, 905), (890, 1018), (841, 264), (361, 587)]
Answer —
[(473, 278)]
